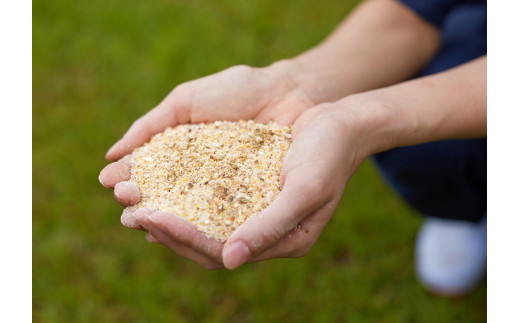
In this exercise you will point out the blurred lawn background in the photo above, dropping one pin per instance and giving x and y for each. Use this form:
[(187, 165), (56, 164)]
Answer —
[(97, 66)]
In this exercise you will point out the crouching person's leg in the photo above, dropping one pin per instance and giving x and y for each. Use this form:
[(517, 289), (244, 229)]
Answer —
[(447, 182)]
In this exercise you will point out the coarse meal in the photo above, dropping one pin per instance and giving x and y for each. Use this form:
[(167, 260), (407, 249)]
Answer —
[(214, 175)]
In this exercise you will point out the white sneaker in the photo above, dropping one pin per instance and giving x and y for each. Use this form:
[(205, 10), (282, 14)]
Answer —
[(450, 255)]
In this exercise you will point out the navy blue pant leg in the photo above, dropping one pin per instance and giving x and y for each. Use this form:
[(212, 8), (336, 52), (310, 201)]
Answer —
[(446, 179)]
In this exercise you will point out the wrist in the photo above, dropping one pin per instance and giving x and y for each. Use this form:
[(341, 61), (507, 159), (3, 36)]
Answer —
[(300, 77), (376, 122), (322, 78)]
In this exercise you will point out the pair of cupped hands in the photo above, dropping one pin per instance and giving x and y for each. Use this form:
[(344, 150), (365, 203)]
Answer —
[(326, 149)]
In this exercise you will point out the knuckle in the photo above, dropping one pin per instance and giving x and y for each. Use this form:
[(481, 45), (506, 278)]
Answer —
[(181, 89), (241, 69), (241, 73)]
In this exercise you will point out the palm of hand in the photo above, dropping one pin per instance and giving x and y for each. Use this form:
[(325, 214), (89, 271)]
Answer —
[(314, 173), (237, 93)]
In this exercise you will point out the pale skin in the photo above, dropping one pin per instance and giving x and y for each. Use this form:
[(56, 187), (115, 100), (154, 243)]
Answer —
[(327, 94)]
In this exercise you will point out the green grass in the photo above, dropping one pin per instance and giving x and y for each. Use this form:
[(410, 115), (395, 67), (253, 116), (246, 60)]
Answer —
[(97, 66)]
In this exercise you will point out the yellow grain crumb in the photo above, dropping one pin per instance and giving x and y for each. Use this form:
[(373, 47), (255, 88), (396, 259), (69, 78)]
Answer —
[(214, 175)]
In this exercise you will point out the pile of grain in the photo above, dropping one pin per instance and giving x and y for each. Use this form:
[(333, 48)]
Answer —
[(214, 175)]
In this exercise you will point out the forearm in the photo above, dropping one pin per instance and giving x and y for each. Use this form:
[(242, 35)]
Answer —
[(447, 105), (381, 43)]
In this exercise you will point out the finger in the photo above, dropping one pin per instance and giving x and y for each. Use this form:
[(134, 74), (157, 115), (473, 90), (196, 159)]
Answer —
[(287, 247), (157, 236), (180, 231), (295, 202), (170, 112), (298, 241), (308, 184), (127, 193), (155, 121), (116, 172), (129, 220)]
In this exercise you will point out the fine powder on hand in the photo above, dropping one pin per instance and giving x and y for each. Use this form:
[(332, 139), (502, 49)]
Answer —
[(214, 175)]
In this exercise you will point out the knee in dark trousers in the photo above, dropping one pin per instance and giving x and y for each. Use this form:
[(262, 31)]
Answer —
[(445, 179)]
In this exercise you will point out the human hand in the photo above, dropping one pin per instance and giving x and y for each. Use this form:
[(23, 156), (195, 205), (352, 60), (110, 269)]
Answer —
[(274, 93), (326, 150), (263, 94), (331, 140), (324, 154), (322, 157)]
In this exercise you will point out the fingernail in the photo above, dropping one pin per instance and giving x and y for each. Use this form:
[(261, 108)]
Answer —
[(100, 180), (128, 219), (235, 255), (127, 193), (128, 212)]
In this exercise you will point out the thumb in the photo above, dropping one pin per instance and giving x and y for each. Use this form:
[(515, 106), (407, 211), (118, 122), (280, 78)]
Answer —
[(298, 200), (169, 113)]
